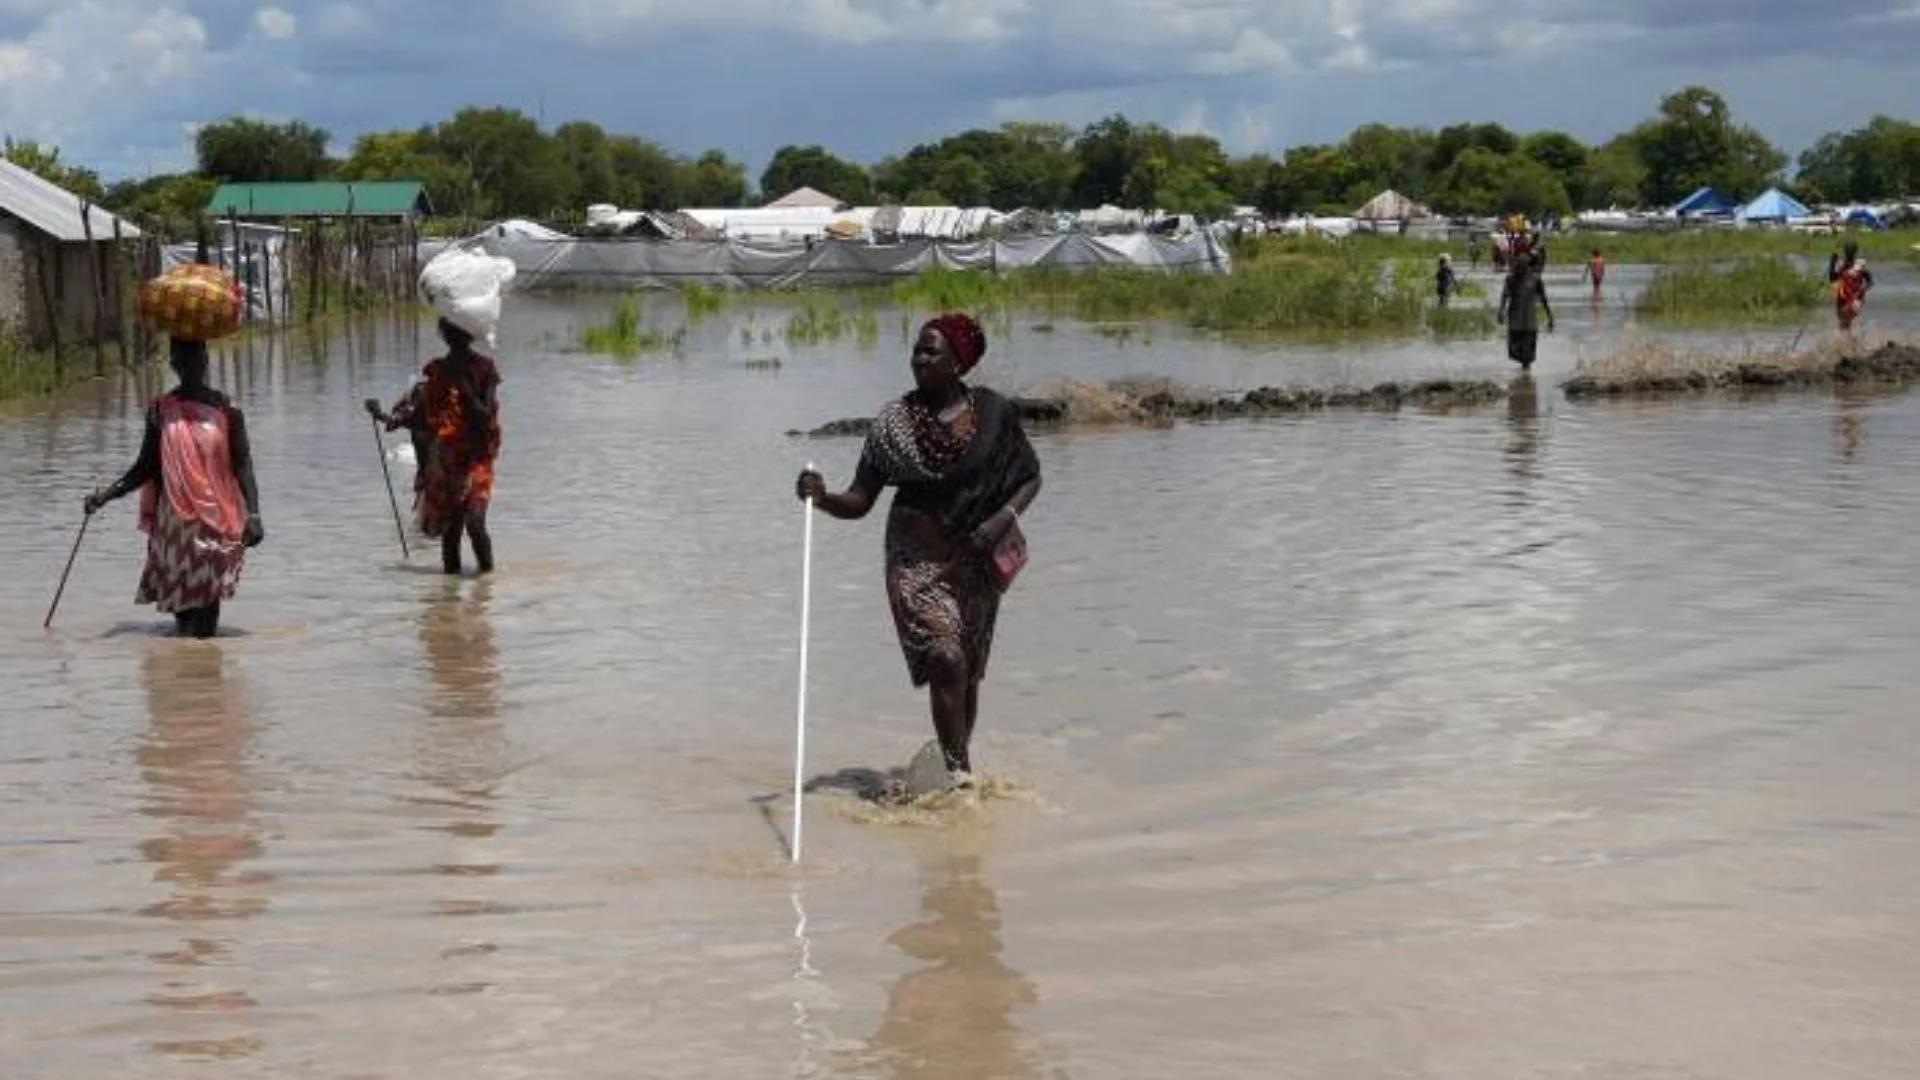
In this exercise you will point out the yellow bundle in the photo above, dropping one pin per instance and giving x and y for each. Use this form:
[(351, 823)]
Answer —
[(192, 302)]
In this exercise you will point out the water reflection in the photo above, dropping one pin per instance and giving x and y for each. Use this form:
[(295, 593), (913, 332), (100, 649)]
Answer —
[(193, 761), (461, 752), (1523, 430), (1850, 425), (955, 1017)]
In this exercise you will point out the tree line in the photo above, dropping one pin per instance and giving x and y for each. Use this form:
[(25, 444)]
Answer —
[(488, 163)]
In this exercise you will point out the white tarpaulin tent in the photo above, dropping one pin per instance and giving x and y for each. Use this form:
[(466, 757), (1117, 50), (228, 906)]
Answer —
[(623, 264), (1390, 205)]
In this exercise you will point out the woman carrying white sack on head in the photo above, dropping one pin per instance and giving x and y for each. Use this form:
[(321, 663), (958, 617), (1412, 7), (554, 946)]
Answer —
[(456, 403)]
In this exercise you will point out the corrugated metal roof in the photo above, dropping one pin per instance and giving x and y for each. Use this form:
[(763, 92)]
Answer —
[(327, 198), (51, 208)]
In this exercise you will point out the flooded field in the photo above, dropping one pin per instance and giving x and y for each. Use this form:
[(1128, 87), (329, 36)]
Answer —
[(1530, 740)]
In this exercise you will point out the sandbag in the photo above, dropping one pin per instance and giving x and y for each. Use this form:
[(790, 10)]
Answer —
[(192, 302), (464, 288)]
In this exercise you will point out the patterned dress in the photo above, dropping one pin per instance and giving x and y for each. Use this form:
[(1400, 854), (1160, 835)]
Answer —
[(193, 511), (953, 471), (456, 477)]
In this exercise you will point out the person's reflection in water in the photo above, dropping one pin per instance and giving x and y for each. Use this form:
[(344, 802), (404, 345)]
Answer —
[(1523, 434), (955, 1017), (461, 750), (193, 762), (1850, 426)]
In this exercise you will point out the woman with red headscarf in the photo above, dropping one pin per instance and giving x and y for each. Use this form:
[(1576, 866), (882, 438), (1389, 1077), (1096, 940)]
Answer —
[(964, 473)]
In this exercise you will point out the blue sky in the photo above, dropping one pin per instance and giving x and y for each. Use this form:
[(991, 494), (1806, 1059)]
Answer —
[(120, 84)]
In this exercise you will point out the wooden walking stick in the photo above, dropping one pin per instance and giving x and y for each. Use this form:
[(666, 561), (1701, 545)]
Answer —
[(57, 593), (380, 447)]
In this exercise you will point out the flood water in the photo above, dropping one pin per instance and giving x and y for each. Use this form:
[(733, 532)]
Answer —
[(1526, 741)]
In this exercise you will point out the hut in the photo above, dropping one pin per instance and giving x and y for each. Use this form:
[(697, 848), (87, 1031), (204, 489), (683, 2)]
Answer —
[(59, 279), (1390, 206), (805, 198)]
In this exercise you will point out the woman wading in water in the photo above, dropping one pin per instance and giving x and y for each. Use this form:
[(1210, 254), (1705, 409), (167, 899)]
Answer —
[(965, 472), (199, 506), (454, 485)]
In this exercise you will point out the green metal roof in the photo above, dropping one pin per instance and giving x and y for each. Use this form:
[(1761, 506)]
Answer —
[(362, 198)]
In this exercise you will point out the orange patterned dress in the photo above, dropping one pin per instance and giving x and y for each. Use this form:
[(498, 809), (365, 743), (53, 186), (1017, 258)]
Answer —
[(457, 477)]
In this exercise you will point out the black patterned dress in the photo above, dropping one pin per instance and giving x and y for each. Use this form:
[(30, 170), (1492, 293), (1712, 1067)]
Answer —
[(952, 472)]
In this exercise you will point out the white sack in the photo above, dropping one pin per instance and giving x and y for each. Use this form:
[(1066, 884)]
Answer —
[(464, 288)]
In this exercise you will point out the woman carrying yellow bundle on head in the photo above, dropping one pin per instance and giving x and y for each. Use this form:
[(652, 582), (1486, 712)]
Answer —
[(199, 505)]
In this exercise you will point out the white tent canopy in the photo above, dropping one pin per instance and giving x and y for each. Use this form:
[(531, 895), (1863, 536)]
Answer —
[(1390, 205)]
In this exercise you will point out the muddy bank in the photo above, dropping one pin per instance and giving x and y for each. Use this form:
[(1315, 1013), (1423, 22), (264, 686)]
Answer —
[(1669, 373), (1159, 403)]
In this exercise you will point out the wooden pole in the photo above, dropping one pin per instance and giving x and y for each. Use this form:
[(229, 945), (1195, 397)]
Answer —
[(97, 272), (313, 270), (46, 300), (266, 273), (120, 295), (241, 268)]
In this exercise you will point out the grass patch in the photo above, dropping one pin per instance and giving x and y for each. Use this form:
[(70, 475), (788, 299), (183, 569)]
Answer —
[(822, 318), (1691, 245), (625, 335), (1759, 288), (702, 300)]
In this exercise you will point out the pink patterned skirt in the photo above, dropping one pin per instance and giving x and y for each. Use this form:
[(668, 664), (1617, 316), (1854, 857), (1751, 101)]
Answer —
[(188, 565)]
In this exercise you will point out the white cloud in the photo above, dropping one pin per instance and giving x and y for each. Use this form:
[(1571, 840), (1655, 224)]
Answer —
[(275, 22)]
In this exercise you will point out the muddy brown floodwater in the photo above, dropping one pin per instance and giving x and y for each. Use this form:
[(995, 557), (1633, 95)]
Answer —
[(1530, 740)]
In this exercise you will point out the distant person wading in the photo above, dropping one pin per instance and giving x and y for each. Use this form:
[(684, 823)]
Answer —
[(965, 472), (1518, 297), (1847, 273)]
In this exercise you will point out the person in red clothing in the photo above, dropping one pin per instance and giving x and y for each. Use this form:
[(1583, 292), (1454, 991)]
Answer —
[(459, 395), (1848, 274), (1595, 272)]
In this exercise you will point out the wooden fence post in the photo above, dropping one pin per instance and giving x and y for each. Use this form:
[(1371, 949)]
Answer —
[(96, 271)]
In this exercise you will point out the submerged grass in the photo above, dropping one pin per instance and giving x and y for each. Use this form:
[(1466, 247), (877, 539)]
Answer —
[(1335, 292), (624, 334), (822, 318), (1760, 288), (702, 300)]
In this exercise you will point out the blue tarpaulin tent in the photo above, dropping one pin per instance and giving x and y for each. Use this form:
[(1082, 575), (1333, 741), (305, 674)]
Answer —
[(1774, 205), (1862, 215), (1705, 202)]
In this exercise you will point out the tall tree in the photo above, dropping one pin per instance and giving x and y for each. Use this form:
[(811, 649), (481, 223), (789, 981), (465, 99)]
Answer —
[(714, 180), (1693, 142), (1107, 153), (243, 151), (795, 167), (513, 166), (1564, 156), (1615, 177), (1878, 161)]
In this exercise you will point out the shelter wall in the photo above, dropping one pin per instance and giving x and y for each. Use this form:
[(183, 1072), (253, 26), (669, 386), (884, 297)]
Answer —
[(17, 279), (27, 257)]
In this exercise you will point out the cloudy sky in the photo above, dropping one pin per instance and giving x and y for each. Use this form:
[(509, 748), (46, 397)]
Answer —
[(119, 84)]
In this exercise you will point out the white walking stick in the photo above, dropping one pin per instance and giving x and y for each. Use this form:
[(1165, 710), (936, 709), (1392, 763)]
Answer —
[(800, 720)]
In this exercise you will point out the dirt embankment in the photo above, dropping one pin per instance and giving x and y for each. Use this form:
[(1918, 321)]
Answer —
[(1658, 370), (1162, 403)]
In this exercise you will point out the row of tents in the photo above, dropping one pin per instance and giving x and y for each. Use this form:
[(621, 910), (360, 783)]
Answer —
[(1776, 207)]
